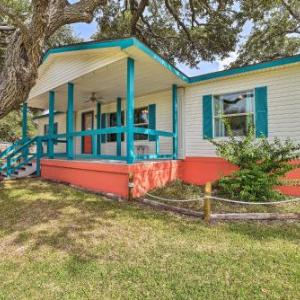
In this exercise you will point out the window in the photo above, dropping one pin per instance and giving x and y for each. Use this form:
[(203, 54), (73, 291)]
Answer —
[(112, 122), (46, 128), (237, 109), (141, 119)]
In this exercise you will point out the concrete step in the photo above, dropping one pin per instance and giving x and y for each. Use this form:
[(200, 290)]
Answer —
[(25, 171)]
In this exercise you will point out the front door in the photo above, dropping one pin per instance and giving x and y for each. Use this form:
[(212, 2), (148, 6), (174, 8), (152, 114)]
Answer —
[(87, 124)]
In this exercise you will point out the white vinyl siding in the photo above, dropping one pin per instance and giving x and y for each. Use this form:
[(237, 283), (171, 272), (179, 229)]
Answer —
[(283, 104)]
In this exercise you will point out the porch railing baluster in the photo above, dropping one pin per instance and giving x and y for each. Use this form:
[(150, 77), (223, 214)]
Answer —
[(114, 130)]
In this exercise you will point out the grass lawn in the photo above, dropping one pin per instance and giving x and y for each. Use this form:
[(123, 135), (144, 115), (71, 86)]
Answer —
[(60, 243)]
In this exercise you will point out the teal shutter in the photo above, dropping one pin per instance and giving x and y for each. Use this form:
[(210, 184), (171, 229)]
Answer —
[(261, 111), (103, 125), (207, 115), (152, 120)]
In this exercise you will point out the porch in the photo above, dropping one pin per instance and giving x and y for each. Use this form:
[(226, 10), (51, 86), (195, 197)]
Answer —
[(112, 113), (125, 109)]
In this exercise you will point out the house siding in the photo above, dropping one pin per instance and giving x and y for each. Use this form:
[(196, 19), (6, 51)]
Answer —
[(283, 105)]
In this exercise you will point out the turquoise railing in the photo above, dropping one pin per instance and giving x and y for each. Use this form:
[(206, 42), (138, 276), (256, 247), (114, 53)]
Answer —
[(157, 134), (20, 154), (12, 148), (95, 134)]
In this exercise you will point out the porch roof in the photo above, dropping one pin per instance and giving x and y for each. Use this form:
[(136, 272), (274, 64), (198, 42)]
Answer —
[(100, 67)]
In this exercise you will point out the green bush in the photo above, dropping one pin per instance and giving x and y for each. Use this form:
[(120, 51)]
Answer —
[(262, 163)]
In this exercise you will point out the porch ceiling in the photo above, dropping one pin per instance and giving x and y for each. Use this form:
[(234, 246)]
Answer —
[(107, 80)]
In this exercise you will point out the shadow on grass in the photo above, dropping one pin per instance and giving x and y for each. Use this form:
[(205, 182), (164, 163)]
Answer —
[(38, 214), (42, 214)]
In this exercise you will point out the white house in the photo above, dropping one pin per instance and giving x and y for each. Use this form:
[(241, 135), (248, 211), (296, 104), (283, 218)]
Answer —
[(117, 109)]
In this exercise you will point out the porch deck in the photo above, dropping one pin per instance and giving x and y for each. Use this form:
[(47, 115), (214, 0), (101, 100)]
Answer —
[(111, 177)]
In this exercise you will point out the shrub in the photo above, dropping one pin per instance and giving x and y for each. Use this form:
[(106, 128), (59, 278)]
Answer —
[(262, 163)]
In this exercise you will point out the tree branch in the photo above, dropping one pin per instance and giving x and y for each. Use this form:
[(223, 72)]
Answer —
[(295, 14), (136, 12), (18, 22), (66, 13), (178, 20), (82, 11)]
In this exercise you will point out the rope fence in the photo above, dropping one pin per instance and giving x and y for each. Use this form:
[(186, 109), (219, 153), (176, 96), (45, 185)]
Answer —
[(224, 200), (253, 203), (207, 199), (173, 200)]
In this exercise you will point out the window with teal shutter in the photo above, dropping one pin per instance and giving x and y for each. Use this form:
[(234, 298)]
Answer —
[(103, 125), (237, 109), (207, 115), (152, 120), (261, 111)]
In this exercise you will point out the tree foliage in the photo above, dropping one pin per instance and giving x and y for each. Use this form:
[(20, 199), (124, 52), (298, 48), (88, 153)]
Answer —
[(62, 36), (275, 32), (262, 163), (11, 126), (180, 31)]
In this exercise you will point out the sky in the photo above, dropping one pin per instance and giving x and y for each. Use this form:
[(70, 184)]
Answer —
[(85, 31)]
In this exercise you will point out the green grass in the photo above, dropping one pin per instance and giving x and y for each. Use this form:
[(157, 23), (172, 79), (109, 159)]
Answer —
[(179, 190), (57, 242)]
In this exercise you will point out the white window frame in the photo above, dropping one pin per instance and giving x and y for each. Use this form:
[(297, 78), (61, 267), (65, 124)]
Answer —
[(232, 115)]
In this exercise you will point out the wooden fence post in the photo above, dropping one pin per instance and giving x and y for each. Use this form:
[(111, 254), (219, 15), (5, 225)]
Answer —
[(207, 203), (130, 186)]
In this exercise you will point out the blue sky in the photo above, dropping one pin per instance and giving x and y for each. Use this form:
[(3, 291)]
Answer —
[(85, 31)]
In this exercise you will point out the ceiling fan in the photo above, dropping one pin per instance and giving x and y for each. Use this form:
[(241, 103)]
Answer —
[(94, 99)]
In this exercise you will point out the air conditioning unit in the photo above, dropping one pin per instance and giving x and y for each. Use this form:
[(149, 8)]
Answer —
[(141, 149)]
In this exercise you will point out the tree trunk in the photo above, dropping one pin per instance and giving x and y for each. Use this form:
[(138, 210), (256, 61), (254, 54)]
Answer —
[(19, 72), (25, 48)]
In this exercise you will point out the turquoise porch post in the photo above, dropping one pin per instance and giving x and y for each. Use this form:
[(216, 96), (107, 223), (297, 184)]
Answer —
[(175, 120), (24, 121), (51, 124), (130, 111), (119, 124), (98, 116), (70, 121)]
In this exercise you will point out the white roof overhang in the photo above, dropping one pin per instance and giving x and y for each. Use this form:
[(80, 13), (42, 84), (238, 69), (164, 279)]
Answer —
[(102, 71)]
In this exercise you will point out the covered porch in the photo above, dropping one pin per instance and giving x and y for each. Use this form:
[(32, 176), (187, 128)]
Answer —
[(111, 113), (126, 109)]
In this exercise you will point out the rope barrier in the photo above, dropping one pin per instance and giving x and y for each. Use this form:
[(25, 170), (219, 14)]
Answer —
[(224, 200), (173, 200), (252, 203), (207, 214)]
